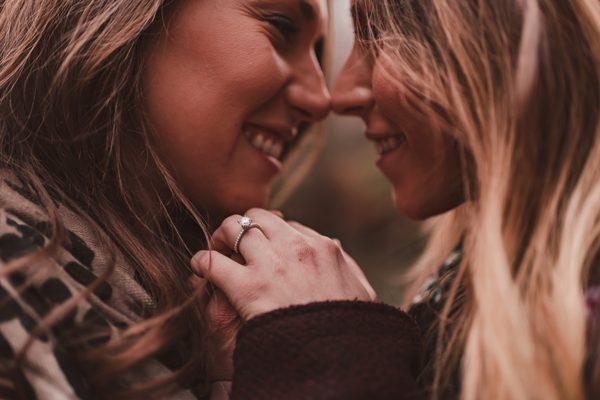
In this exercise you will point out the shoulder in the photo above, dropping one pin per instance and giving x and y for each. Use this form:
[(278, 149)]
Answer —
[(80, 256), (33, 288), (52, 292)]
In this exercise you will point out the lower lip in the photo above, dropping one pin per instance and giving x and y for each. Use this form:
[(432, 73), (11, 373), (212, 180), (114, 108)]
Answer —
[(271, 161), (385, 160)]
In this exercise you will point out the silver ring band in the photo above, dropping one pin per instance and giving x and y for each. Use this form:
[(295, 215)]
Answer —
[(246, 224)]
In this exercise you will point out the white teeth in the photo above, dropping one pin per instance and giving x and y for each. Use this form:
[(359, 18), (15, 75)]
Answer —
[(258, 141), (388, 144), (277, 149), (270, 146)]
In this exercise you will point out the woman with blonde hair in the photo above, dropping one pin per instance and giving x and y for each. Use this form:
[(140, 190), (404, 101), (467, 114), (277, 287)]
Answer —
[(486, 115), (128, 128)]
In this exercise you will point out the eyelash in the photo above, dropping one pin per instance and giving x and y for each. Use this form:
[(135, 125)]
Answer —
[(286, 27)]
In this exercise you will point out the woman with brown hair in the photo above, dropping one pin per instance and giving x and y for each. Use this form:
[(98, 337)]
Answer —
[(128, 128), (485, 114)]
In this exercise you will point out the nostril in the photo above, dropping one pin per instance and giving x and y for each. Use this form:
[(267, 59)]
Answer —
[(315, 110), (347, 107)]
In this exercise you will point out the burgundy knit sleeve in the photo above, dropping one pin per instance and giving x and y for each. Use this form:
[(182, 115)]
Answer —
[(333, 350)]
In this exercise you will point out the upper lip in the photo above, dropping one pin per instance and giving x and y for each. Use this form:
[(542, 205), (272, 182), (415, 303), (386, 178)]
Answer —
[(285, 132), (380, 135)]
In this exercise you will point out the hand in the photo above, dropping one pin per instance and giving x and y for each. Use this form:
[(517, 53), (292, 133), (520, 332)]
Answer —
[(285, 264)]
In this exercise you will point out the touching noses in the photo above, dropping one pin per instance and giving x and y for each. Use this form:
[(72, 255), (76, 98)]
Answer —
[(308, 93), (352, 93)]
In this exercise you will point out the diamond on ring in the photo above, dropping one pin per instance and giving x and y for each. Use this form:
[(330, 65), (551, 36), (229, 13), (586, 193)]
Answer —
[(245, 222)]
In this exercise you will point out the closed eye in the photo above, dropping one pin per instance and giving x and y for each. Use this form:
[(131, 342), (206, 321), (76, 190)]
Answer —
[(284, 24)]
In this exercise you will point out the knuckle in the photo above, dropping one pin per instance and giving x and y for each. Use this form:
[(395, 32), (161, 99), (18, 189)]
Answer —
[(296, 225), (303, 250), (230, 223), (253, 211), (280, 271), (332, 247), (232, 219), (253, 233)]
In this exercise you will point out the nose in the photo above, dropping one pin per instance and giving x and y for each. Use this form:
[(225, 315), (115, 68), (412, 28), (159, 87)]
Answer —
[(352, 93), (308, 93)]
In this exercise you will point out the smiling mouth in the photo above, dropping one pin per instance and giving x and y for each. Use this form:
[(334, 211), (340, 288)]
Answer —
[(266, 142), (388, 144)]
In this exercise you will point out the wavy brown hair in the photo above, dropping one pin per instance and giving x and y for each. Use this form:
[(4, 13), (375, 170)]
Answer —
[(70, 114), (73, 130), (518, 83)]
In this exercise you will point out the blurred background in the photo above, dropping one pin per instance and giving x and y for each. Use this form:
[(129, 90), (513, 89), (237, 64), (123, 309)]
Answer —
[(346, 197)]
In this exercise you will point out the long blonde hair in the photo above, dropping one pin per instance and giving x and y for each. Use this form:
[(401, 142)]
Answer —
[(518, 83)]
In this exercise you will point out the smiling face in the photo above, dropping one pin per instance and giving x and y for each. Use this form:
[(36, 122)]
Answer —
[(420, 160), (226, 86)]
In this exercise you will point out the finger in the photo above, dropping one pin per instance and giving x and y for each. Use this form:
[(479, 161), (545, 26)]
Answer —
[(360, 275), (305, 230), (252, 245), (238, 259), (219, 243), (224, 238), (354, 268), (278, 214), (272, 225), (195, 282), (222, 271)]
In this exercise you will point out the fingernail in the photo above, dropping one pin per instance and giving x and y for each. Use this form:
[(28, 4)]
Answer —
[(194, 263), (194, 259)]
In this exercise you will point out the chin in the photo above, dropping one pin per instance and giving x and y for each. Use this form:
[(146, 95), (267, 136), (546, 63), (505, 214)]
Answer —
[(240, 202), (420, 209), (415, 213)]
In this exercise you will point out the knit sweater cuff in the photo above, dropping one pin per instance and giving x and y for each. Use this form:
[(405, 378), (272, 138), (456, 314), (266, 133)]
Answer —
[(340, 349)]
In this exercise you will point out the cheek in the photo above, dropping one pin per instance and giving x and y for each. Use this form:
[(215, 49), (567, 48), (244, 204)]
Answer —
[(386, 90), (212, 68), (431, 182), (201, 83), (200, 94), (426, 175)]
